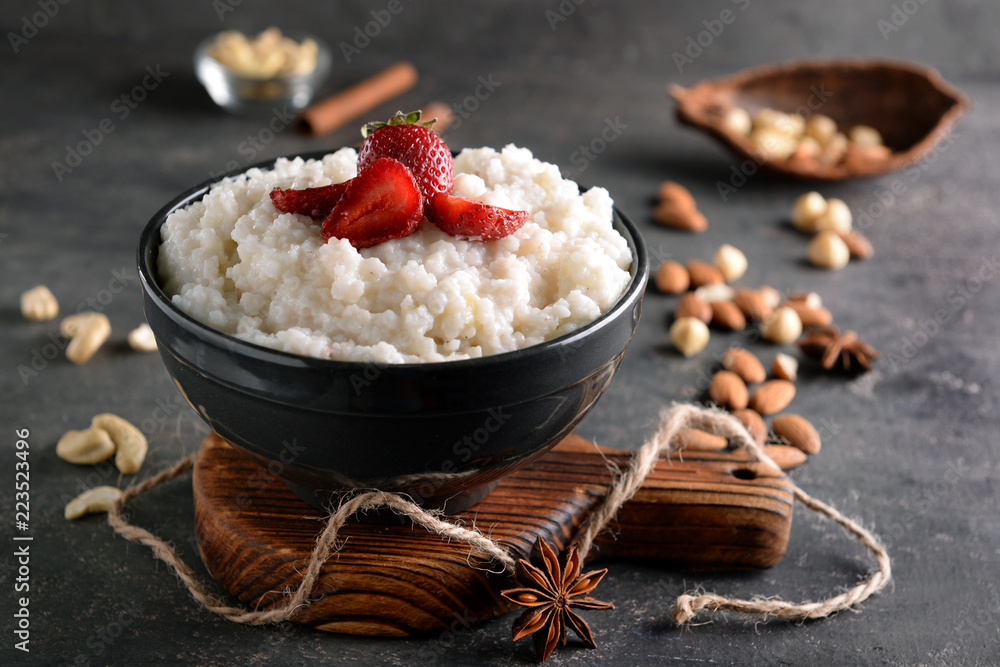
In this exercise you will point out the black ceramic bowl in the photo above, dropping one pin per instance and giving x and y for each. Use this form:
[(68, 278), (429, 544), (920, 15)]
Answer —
[(442, 432)]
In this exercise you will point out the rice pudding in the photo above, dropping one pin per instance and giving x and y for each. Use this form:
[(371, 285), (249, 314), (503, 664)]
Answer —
[(235, 263)]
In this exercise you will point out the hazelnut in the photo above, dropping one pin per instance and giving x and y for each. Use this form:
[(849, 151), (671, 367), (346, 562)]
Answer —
[(865, 136), (737, 121), (837, 217), (785, 367), (730, 261), (821, 128), (807, 209), (829, 251), (689, 335), (781, 326)]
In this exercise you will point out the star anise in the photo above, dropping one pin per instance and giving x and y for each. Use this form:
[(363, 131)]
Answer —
[(548, 592), (844, 352)]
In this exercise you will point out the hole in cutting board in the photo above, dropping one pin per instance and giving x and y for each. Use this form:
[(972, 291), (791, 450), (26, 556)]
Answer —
[(744, 473)]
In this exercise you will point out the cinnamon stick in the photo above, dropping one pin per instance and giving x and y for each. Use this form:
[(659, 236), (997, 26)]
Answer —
[(331, 113)]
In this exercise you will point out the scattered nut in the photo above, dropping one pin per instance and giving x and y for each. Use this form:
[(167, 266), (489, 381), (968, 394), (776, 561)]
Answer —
[(752, 303), (828, 251), (771, 296), (130, 443), (785, 367), (699, 441), (807, 209), (39, 304), (837, 217), (727, 315), (689, 335), (85, 447), (91, 501), (715, 292), (798, 432), (858, 245), (745, 364), (88, 332), (677, 195), (781, 326), (691, 305), (728, 390), (672, 277), (703, 273), (730, 261), (806, 299), (772, 396), (670, 215), (141, 339), (811, 317), (785, 457), (754, 423)]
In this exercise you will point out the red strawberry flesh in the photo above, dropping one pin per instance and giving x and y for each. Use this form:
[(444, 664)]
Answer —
[(314, 202), (418, 147), (471, 219), (383, 202)]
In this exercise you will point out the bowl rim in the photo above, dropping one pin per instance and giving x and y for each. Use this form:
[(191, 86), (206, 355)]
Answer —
[(148, 278)]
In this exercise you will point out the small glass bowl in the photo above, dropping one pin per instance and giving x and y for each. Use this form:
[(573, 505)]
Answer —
[(240, 94)]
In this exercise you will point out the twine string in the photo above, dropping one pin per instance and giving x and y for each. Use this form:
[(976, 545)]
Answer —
[(663, 441)]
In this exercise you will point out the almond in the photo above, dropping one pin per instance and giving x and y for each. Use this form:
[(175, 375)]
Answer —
[(699, 441), (671, 215), (786, 457), (727, 315), (703, 273), (772, 396), (745, 364), (785, 367), (752, 303), (691, 305), (812, 317), (672, 277), (728, 390), (858, 245), (798, 432), (753, 423), (676, 194)]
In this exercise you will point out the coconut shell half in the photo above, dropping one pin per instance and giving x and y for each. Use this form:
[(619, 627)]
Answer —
[(910, 105)]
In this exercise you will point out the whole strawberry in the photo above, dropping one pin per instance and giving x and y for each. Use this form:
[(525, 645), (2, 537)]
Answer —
[(416, 145)]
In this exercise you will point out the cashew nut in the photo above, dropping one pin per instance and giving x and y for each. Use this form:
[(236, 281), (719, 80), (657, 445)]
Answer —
[(130, 443), (86, 447), (97, 499), (39, 304), (141, 339), (88, 332)]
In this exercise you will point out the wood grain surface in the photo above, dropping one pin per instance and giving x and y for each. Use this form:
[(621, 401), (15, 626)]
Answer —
[(705, 510)]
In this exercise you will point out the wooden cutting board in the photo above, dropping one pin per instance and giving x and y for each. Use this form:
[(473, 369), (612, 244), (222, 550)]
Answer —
[(702, 510)]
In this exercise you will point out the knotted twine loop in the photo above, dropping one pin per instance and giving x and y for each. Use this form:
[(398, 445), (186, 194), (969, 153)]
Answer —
[(720, 422), (679, 417)]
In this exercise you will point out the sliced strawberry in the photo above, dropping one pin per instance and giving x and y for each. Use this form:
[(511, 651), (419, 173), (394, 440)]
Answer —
[(314, 202), (415, 144), (383, 202), (473, 220)]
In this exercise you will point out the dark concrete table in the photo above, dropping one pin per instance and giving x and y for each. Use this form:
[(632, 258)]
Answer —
[(911, 448)]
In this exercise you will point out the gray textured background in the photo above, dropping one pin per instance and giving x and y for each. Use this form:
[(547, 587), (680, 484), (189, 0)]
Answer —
[(912, 449)]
